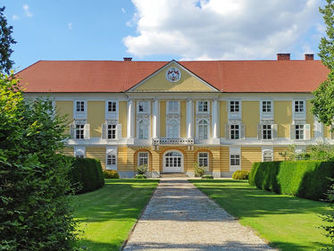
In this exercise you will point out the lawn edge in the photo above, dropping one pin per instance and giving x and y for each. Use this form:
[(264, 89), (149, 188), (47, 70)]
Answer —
[(141, 214)]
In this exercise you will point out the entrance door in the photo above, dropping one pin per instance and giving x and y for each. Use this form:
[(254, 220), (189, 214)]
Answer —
[(173, 162)]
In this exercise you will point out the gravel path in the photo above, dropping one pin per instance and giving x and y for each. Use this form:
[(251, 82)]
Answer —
[(180, 217)]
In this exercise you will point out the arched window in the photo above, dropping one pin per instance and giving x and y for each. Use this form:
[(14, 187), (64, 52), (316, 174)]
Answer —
[(173, 129), (143, 129), (203, 128)]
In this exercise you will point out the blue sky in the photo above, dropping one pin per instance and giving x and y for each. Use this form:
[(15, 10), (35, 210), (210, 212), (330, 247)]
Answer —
[(162, 29)]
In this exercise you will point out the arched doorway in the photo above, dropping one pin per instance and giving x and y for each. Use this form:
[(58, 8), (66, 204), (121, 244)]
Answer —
[(173, 162)]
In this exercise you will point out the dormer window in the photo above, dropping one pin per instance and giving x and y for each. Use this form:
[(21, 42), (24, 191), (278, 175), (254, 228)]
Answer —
[(266, 106), (234, 106), (299, 106), (112, 106)]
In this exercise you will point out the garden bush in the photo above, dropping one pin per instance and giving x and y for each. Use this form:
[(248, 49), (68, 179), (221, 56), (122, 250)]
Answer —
[(110, 174), (207, 177), (306, 179), (140, 176), (240, 175), (199, 171), (86, 175)]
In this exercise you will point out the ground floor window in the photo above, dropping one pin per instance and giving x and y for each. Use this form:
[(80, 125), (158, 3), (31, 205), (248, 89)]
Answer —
[(235, 159), (111, 159), (267, 156), (142, 158), (203, 159)]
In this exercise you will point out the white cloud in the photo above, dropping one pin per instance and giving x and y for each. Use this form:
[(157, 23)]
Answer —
[(219, 29), (70, 26), (27, 11), (15, 17)]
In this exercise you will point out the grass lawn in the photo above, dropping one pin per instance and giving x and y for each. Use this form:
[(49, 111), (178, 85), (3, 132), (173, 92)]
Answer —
[(287, 222), (107, 215)]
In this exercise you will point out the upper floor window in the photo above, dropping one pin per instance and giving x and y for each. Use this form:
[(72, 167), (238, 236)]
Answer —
[(203, 129), (234, 131), (80, 106), (142, 158), (143, 107), (266, 106), (234, 106), (79, 131), (299, 130), (173, 107), (173, 128), (299, 106), (143, 129), (203, 106), (111, 131), (267, 132), (112, 106), (203, 159)]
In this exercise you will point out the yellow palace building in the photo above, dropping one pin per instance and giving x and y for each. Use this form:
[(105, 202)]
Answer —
[(222, 115)]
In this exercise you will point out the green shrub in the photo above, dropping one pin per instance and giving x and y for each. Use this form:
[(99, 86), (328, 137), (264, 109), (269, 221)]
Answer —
[(110, 174), (140, 176), (306, 179), (142, 169), (240, 175), (207, 177), (199, 171), (86, 175)]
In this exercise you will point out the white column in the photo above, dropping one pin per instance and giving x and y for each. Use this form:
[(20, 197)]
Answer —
[(155, 119), (189, 119), (215, 126), (130, 121)]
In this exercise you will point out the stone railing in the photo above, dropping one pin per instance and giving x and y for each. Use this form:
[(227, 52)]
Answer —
[(172, 141)]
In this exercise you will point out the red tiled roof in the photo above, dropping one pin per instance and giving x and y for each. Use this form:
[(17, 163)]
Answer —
[(227, 76)]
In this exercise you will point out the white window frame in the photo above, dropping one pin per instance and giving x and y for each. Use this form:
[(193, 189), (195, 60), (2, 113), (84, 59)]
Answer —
[(86, 129), (111, 115), (111, 151), (299, 115), (112, 129), (234, 106), (264, 104), (239, 131), (207, 157), (169, 121), (198, 129), (146, 104), (80, 114), (269, 130), (147, 124), (140, 158), (201, 102), (234, 115), (234, 150), (175, 102), (300, 130)]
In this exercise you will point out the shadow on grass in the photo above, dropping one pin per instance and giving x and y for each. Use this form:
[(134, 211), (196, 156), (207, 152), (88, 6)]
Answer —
[(100, 246)]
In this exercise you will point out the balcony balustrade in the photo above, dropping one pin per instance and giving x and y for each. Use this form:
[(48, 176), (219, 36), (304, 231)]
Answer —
[(172, 141)]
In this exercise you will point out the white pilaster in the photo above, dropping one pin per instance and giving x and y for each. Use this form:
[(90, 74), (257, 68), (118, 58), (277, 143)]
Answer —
[(215, 126), (155, 119), (131, 121), (189, 119)]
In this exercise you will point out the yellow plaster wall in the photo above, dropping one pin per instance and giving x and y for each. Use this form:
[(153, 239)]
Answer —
[(250, 118), (327, 132), (223, 118), (68, 151), (122, 158), (163, 118), (123, 117), (283, 117), (277, 151), (95, 117), (159, 83), (97, 153), (183, 129), (224, 159), (249, 155), (65, 108), (310, 117)]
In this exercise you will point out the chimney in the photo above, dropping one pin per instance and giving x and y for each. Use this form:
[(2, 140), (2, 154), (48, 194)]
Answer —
[(309, 56), (283, 56), (127, 59)]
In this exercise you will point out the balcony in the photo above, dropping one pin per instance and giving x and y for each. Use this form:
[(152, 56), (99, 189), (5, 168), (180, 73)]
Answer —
[(172, 141)]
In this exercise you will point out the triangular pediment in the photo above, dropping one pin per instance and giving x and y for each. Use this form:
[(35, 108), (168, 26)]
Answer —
[(173, 77)]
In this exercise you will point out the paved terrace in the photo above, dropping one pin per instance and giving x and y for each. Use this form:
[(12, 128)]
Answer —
[(180, 217)]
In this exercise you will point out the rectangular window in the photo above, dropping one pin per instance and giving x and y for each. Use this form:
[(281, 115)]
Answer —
[(235, 131), (111, 159), (203, 159), (80, 106), (173, 107), (202, 106), (79, 131), (235, 159), (111, 131), (266, 106), (299, 106), (142, 158), (112, 106), (143, 106), (234, 106), (299, 131), (266, 132)]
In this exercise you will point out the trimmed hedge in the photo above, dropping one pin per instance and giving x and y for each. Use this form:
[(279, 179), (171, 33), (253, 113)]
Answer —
[(86, 175), (306, 179)]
